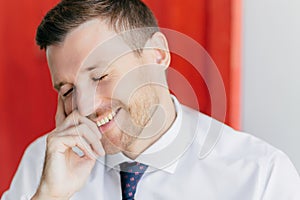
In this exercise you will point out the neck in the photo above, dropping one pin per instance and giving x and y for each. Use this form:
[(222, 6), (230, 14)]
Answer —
[(151, 133)]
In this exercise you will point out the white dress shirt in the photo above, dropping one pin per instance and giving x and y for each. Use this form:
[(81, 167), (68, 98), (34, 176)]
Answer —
[(197, 158)]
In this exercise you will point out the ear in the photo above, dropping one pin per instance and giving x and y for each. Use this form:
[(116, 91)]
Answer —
[(158, 45)]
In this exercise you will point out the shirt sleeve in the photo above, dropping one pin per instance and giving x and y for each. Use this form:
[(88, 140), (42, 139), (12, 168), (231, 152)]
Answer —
[(282, 181), (27, 177)]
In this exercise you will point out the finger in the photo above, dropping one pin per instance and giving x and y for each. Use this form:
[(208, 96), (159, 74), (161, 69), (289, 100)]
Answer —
[(91, 138), (84, 131), (92, 125), (75, 119), (66, 142), (60, 112)]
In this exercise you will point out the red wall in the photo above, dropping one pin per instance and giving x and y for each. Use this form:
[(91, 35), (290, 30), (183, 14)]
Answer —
[(215, 24), (27, 100)]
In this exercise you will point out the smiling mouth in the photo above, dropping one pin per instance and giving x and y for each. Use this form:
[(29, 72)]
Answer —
[(107, 118)]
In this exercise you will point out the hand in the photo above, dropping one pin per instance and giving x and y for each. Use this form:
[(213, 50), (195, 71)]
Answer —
[(64, 171)]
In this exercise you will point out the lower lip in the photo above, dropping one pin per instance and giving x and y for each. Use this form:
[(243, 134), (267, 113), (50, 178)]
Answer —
[(104, 128)]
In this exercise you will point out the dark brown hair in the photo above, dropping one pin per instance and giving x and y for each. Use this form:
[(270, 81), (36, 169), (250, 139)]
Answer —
[(121, 15)]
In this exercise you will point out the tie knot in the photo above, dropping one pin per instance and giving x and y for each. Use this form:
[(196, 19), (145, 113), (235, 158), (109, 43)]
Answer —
[(130, 175), (133, 167)]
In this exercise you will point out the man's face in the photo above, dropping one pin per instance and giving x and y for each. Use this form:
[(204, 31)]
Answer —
[(94, 75)]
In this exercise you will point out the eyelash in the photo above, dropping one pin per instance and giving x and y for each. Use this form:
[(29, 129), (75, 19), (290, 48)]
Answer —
[(94, 79), (99, 79), (68, 92)]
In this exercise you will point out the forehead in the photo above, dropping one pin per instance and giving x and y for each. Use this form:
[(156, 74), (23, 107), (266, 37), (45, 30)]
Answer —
[(66, 58)]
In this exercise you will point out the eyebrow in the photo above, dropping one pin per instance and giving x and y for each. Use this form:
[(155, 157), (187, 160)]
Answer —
[(90, 68), (57, 86), (99, 64)]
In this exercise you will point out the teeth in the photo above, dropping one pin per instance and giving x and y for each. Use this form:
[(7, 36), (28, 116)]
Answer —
[(106, 119), (98, 123)]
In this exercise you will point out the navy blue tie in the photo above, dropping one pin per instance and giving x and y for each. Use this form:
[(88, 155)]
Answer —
[(130, 175)]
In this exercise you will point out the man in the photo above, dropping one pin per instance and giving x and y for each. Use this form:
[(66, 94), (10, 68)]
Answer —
[(120, 134)]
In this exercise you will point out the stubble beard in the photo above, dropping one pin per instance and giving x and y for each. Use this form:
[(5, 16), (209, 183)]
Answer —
[(140, 109)]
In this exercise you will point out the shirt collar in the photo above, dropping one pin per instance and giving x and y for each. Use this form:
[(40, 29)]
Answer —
[(113, 161)]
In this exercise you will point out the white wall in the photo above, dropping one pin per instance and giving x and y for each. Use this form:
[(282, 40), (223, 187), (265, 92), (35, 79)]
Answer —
[(271, 73)]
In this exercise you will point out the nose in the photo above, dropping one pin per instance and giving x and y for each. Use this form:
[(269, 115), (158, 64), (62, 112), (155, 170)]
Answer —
[(85, 101)]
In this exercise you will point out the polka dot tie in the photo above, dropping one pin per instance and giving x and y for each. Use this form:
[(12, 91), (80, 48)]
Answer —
[(130, 175)]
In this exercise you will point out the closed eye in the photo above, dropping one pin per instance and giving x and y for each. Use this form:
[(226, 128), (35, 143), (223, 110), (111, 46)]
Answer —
[(68, 92), (100, 78)]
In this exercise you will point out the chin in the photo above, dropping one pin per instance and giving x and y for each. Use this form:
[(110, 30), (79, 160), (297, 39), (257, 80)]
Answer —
[(114, 143), (111, 145)]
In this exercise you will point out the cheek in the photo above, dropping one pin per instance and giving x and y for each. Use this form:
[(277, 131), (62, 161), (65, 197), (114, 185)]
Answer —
[(142, 105), (105, 89)]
